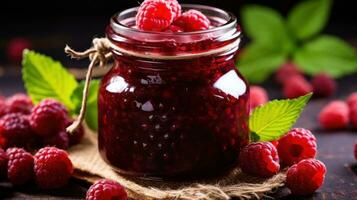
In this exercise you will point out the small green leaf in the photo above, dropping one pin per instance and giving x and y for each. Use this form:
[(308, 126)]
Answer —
[(267, 27), (91, 116), (327, 54), (274, 119), (46, 78), (257, 62), (308, 18)]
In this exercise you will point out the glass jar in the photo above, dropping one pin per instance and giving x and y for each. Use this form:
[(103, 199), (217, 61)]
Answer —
[(173, 103)]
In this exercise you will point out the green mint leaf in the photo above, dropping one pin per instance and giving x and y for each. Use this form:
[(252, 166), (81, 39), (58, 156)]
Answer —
[(327, 54), (91, 116), (267, 27), (257, 62), (309, 18), (47, 78), (274, 119)]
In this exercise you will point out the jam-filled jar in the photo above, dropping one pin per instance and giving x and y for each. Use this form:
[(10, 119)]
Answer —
[(173, 103)]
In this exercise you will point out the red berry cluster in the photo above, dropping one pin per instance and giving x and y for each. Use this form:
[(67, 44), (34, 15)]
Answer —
[(339, 114), (296, 149), (295, 84), (167, 16), (50, 167), (24, 125)]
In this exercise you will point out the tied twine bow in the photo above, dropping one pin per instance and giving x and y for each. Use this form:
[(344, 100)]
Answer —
[(98, 54)]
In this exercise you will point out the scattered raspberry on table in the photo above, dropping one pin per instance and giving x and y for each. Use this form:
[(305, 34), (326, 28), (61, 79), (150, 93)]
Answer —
[(258, 96), (286, 71), (324, 85), (20, 166), (106, 189), (334, 115), (296, 86)]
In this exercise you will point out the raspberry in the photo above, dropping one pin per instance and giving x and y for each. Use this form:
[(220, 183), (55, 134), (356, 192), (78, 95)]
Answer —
[(305, 177), (154, 15), (77, 135), (106, 189), (193, 20), (324, 85), (20, 166), (286, 71), (15, 130), (174, 29), (3, 164), (258, 96), (275, 143), (53, 168), (296, 145), (4, 108), (20, 103), (296, 86), (48, 118), (176, 8), (352, 100), (60, 140), (353, 115), (334, 115), (15, 48), (260, 159)]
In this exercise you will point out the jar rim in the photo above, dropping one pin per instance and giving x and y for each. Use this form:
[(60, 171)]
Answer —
[(231, 22)]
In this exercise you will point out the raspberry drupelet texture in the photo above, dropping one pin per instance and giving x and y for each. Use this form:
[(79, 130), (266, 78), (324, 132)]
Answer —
[(352, 100), (52, 168), (296, 145), (15, 130), (155, 15), (258, 96), (306, 176), (193, 20), (334, 115), (60, 140), (323, 85), (3, 164), (259, 159), (286, 71), (296, 86), (106, 190), (20, 103), (20, 166), (176, 8), (48, 118)]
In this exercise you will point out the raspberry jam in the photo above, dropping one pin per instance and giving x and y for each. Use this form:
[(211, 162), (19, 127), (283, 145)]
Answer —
[(173, 103)]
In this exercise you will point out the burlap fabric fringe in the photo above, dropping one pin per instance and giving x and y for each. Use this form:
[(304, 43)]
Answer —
[(89, 165)]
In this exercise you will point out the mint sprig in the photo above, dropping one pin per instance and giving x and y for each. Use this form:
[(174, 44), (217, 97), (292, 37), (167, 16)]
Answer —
[(272, 120)]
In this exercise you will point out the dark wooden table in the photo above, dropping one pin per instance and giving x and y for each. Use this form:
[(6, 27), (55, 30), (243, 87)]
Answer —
[(335, 150)]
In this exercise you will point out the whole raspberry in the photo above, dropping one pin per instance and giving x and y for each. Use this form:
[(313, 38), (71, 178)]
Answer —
[(3, 164), (286, 71), (176, 8), (15, 48), (258, 96), (296, 145), (352, 99), (20, 103), (259, 159), (296, 86), (305, 177), (174, 29), (193, 20), (77, 135), (20, 166), (53, 168), (334, 115), (154, 15), (106, 190), (15, 130), (324, 85), (60, 140), (48, 118)]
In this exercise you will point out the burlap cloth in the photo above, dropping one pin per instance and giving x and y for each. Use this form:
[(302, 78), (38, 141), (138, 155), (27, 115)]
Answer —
[(90, 167)]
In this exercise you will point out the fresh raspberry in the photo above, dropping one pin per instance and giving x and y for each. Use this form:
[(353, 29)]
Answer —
[(15, 48), (305, 177), (4, 108), (275, 143), (174, 29), (20, 166), (323, 85), (353, 115), (106, 189), (356, 149), (176, 8), (60, 140), (296, 145), (77, 135), (155, 15), (53, 168), (286, 71), (3, 164), (258, 96), (334, 115), (20, 103), (48, 118), (352, 100), (259, 159), (296, 86), (15, 130), (193, 20)]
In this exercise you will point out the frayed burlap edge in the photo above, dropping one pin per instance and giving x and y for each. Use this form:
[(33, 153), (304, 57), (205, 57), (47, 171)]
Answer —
[(90, 167)]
